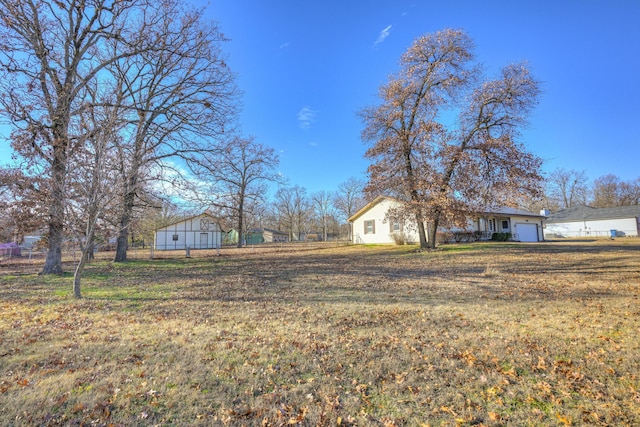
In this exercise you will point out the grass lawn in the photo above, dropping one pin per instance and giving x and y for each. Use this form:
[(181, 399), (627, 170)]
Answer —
[(482, 334)]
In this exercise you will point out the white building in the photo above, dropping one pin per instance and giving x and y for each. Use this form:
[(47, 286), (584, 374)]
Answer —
[(372, 225), (585, 221), (199, 232)]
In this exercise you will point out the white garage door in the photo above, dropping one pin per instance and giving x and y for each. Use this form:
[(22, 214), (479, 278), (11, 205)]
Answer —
[(527, 232)]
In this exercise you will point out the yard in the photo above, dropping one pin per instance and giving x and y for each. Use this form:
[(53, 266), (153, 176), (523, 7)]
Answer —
[(481, 334)]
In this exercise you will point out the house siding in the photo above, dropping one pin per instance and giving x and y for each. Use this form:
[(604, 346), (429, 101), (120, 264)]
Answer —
[(381, 225), (505, 220), (592, 228)]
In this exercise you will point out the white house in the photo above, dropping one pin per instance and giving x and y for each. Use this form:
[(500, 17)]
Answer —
[(585, 221), (198, 232), (371, 224)]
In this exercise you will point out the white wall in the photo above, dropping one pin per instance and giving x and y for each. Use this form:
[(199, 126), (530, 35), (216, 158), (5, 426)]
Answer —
[(382, 234), (189, 233), (601, 228)]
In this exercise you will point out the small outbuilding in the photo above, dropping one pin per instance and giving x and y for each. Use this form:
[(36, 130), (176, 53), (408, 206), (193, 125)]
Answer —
[(586, 221), (198, 232)]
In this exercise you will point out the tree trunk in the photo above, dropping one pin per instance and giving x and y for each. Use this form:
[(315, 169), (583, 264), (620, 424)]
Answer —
[(433, 231), (53, 263), (422, 235), (240, 222), (122, 243)]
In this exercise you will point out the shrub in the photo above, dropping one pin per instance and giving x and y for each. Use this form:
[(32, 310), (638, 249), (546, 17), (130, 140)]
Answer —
[(501, 237), (399, 238)]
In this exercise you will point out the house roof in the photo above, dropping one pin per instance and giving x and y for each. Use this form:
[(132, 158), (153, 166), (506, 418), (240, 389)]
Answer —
[(505, 211), (588, 213), (368, 206), (511, 212)]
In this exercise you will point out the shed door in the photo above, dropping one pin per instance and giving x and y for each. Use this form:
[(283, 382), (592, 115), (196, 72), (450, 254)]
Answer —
[(528, 232), (204, 240)]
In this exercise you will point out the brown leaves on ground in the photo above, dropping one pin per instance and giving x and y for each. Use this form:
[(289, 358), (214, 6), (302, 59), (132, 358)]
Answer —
[(297, 335)]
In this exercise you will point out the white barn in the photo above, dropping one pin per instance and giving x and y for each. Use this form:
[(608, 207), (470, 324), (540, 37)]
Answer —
[(371, 225), (198, 232), (586, 221)]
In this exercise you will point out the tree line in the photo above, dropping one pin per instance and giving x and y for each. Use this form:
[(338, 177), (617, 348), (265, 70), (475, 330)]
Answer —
[(567, 188)]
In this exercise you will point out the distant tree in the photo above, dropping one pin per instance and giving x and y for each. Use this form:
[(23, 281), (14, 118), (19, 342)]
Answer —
[(349, 198), (610, 191), (239, 171), (568, 187), (630, 192), (292, 208), (442, 172), (323, 209)]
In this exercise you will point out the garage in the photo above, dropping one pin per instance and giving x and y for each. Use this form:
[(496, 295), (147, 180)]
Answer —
[(527, 232)]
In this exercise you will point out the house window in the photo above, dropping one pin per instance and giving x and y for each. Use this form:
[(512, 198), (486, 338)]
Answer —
[(370, 227), (204, 224), (394, 226), (505, 225)]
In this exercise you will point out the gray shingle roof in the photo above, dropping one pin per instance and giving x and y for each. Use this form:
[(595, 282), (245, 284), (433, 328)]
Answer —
[(585, 213)]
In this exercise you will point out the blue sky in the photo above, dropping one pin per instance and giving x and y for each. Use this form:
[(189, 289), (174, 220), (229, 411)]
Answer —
[(307, 67)]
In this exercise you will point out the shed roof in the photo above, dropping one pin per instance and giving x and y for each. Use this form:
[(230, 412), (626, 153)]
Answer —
[(586, 213), (204, 214)]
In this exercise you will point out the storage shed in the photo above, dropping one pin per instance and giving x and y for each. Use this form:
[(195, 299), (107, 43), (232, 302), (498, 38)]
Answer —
[(198, 232)]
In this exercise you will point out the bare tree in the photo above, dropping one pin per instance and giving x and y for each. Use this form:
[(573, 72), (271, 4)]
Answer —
[(94, 188), (239, 170), (48, 55), (442, 172), (323, 207), (610, 191), (568, 187), (292, 206), (178, 96), (349, 198)]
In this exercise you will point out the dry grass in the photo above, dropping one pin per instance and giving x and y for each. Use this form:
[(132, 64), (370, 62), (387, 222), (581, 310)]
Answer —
[(481, 334)]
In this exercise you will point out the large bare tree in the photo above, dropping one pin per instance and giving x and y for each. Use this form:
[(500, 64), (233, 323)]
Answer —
[(49, 53), (445, 169), (178, 96)]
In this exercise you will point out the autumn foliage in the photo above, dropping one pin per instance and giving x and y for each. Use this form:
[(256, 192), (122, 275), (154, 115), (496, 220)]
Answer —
[(444, 168)]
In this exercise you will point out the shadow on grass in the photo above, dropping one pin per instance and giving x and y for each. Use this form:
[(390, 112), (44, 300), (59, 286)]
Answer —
[(356, 275)]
